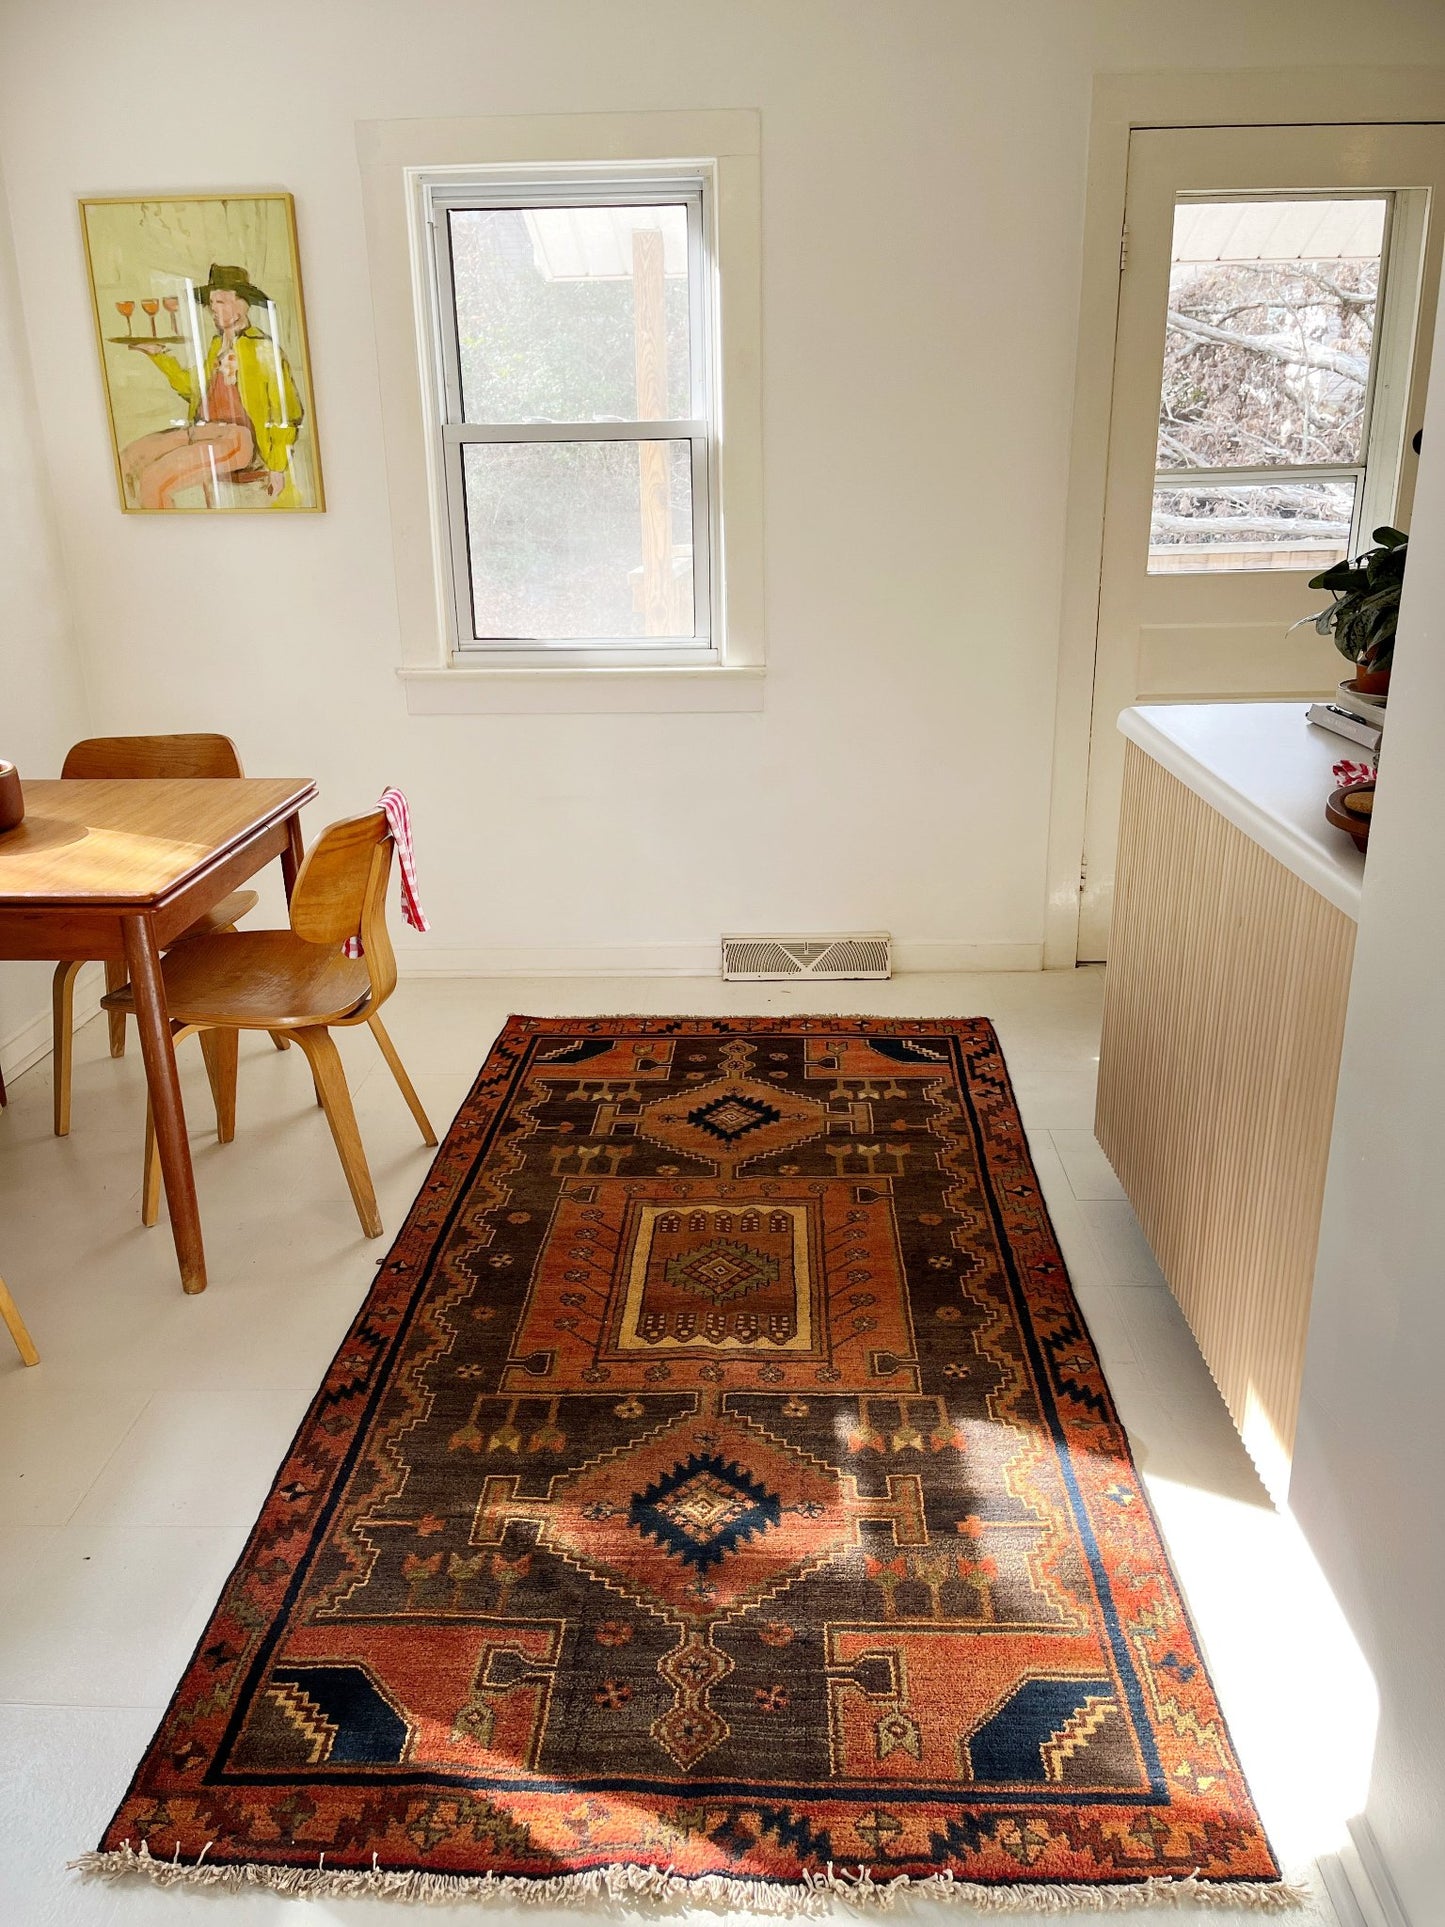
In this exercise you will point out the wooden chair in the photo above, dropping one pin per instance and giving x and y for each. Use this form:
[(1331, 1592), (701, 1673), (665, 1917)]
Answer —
[(300, 983), (15, 1324), (121, 757)]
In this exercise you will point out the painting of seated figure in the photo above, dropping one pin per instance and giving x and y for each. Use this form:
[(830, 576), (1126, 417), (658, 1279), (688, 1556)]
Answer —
[(202, 337)]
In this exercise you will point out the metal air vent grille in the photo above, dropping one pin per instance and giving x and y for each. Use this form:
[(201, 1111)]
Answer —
[(765, 959)]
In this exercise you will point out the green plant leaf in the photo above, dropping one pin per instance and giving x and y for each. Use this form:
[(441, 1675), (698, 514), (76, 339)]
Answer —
[(1365, 612)]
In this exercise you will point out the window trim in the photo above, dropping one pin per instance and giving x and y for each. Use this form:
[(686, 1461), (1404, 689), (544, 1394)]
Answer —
[(638, 185), (394, 156), (1376, 474)]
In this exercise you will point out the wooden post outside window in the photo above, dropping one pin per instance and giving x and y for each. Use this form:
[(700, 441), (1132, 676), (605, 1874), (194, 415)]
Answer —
[(650, 332)]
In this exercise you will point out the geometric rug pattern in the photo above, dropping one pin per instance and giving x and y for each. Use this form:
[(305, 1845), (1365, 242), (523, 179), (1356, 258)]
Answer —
[(718, 1484)]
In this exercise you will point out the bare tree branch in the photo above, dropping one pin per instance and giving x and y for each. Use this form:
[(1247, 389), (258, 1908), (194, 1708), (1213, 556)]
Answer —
[(1247, 525), (1273, 451), (1347, 297), (1171, 445), (1353, 368)]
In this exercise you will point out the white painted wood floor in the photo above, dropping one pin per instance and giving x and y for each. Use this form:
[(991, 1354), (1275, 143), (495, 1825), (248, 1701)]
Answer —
[(134, 1459)]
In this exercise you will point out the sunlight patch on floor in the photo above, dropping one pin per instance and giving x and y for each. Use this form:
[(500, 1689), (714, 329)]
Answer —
[(1302, 1703)]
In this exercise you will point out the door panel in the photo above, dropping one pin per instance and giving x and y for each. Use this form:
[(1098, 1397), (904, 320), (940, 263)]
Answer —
[(1206, 614), (1227, 662)]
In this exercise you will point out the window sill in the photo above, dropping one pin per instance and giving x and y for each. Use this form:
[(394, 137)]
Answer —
[(601, 691)]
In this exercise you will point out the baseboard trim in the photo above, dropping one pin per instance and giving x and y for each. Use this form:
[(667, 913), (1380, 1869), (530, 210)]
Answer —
[(26, 1046), (911, 955), (1359, 1882), (682, 959)]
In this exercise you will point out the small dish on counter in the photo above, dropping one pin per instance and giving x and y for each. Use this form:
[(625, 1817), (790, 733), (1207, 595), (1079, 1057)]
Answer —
[(1350, 810)]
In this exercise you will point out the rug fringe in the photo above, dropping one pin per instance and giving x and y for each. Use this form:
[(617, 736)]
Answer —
[(814, 1894)]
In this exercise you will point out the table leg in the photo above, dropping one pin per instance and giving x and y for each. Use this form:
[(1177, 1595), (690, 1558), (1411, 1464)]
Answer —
[(293, 853), (158, 1051)]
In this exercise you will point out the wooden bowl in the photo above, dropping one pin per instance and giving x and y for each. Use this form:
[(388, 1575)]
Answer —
[(1354, 822), (12, 800)]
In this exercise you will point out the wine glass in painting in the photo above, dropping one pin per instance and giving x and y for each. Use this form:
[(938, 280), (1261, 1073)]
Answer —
[(151, 307), (170, 302), (126, 308)]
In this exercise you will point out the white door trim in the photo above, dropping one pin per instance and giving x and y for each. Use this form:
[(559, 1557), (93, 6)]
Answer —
[(1259, 97)]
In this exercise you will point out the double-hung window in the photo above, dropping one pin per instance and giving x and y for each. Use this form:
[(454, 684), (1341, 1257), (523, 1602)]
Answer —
[(575, 391)]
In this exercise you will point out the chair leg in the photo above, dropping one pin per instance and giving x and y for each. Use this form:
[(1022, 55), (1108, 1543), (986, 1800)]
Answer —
[(150, 1188), (335, 1098), (62, 1005), (221, 1049), (15, 1325), (115, 979), (280, 1040), (404, 1083)]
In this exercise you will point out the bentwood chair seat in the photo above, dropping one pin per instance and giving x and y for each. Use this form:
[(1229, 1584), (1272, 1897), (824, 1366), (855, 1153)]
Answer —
[(262, 980), (128, 758), (298, 983)]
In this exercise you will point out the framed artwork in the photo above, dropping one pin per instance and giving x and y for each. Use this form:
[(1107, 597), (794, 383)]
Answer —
[(202, 338)]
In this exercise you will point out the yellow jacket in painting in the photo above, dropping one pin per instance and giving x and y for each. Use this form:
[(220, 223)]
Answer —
[(268, 395)]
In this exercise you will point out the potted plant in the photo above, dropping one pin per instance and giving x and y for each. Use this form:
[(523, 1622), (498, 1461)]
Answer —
[(1365, 609)]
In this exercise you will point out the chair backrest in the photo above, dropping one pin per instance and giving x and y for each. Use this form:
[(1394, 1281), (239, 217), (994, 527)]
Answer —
[(341, 893), (153, 756)]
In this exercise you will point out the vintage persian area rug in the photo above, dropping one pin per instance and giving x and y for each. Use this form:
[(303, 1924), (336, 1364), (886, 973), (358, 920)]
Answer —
[(719, 1486)]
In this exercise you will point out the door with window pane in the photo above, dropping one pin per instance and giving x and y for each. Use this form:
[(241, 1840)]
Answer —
[(1277, 291)]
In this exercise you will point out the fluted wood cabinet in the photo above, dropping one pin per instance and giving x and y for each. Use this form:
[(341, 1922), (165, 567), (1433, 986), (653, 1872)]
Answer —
[(1223, 1019)]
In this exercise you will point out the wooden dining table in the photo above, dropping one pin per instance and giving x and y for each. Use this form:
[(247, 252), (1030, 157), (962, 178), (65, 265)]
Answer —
[(121, 869)]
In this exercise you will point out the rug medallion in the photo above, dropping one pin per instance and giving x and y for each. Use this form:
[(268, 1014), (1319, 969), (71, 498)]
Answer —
[(718, 1483)]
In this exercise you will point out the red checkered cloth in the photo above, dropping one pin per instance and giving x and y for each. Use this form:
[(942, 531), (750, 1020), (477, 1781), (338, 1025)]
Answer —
[(1350, 776), (399, 817)]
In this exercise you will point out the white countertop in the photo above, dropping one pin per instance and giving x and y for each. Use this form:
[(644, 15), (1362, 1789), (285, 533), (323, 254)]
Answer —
[(1266, 770)]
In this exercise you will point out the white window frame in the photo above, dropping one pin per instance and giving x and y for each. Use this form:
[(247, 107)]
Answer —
[(401, 162), (640, 186), (1382, 438)]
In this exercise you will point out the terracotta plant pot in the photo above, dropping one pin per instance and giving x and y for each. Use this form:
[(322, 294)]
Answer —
[(1371, 682), (12, 799)]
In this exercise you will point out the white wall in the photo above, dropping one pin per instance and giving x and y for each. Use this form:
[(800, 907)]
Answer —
[(1369, 1477), (923, 167), (42, 708)]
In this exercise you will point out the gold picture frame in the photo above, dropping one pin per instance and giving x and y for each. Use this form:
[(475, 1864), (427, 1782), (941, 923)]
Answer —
[(200, 325)]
